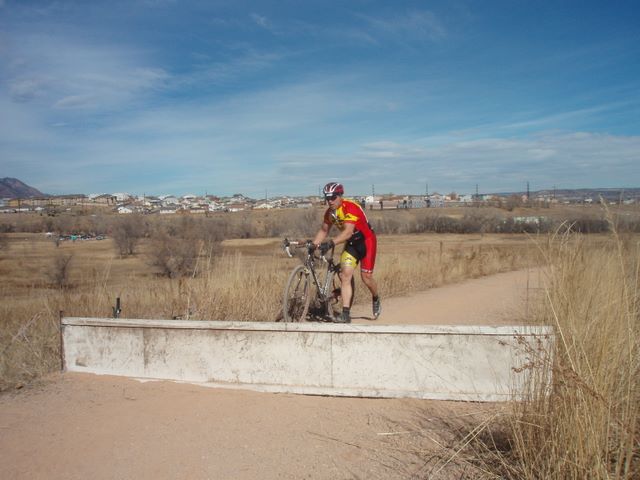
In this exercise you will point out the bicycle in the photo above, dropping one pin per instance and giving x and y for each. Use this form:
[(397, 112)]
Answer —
[(312, 294)]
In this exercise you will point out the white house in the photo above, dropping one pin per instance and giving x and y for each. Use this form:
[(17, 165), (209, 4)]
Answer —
[(121, 197), (170, 200)]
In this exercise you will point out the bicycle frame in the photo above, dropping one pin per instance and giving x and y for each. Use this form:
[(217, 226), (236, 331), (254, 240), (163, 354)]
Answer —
[(310, 262), (324, 288)]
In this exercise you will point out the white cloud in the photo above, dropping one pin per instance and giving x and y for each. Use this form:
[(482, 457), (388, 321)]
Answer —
[(61, 72), (415, 25), (572, 160), (261, 21), (76, 101), (26, 89), (242, 65)]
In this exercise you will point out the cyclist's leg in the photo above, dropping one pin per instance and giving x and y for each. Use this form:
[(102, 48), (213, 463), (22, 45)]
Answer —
[(370, 282), (348, 263), (366, 273), (346, 290), (367, 263)]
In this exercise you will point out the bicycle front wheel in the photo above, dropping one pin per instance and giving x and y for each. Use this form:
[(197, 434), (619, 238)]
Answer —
[(297, 295)]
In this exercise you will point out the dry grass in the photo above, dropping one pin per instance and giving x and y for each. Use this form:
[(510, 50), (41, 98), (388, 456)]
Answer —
[(583, 424), (413, 263), (584, 420), (586, 423), (240, 280)]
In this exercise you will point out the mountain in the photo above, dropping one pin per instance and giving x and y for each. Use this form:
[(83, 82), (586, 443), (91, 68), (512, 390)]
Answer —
[(14, 188)]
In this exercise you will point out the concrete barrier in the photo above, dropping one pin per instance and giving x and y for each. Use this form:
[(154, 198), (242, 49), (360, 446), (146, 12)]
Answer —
[(438, 362)]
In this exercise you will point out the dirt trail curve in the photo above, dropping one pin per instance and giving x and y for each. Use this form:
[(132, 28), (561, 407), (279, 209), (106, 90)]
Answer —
[(501, 299), (76, 426)]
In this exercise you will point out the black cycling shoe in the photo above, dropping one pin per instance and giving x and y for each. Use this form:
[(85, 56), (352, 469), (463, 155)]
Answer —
[(345, 317), (377, 308)]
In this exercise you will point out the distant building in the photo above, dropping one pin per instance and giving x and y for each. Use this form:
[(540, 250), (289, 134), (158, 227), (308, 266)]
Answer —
[(170, 200), (105, 199), (122, 197), (235, 207)]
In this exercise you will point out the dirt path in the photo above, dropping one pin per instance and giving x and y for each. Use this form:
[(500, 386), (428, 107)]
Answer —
[(501, 299), (76, 426)]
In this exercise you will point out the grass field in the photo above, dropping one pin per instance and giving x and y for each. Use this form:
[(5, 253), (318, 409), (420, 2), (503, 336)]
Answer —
[(585, 423), (238, 279)]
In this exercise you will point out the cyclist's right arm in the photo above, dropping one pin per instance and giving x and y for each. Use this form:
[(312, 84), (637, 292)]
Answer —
[(322, 234)]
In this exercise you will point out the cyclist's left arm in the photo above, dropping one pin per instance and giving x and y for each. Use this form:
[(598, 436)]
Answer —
[(346, 233)]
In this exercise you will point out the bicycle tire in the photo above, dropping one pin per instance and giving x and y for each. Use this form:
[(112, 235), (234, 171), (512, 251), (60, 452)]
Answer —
[(297, 295), (334, 304)]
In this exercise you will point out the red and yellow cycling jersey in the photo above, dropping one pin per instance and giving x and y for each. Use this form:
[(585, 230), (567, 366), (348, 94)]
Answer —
[(349, 212), (361, 247)]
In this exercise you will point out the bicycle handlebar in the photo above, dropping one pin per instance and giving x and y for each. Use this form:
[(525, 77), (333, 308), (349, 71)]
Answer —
[(307, 243), (294, 243)]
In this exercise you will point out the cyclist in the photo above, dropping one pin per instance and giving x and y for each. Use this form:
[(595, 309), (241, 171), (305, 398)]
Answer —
[(360, 239)]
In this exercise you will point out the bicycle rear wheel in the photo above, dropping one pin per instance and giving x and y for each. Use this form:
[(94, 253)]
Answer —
[(297, 295)]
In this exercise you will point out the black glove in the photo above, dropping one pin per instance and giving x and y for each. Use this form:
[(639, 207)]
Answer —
[(326, 246)]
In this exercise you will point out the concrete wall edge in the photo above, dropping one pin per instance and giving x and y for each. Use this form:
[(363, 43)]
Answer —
[(526, 330)]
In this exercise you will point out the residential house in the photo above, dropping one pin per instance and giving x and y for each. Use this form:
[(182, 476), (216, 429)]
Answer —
[(122, 197), (105, 200), (168, 200), (235, 207)]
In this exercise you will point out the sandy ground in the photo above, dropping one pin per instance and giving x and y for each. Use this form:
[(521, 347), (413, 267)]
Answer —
[(77, 426), (502, 299)]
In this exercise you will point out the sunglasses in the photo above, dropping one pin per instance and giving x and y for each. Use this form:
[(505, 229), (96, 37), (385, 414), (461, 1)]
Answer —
[(330, 198)]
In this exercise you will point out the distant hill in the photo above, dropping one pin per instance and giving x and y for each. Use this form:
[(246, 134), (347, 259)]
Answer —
[(14, 188)]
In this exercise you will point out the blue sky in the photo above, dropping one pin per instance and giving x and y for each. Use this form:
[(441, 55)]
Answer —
[(223, 97)]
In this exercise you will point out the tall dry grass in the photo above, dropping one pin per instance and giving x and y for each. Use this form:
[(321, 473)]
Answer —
[(241, 283), (436, 265), (581, 419)]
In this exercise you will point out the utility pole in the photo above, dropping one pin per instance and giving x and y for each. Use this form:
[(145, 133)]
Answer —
[(373, 191), (528, 193)]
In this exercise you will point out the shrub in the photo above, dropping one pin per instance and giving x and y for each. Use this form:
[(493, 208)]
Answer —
[(174, 256), (127, 232), (58, 272)]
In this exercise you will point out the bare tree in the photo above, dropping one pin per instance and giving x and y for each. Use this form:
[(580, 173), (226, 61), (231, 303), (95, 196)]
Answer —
[(127, 233), (175, 256), (58, 272)]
